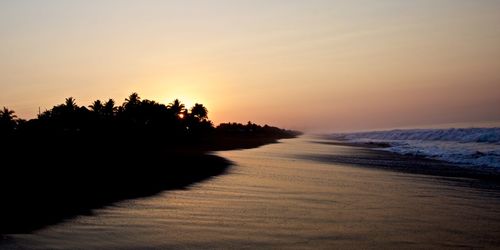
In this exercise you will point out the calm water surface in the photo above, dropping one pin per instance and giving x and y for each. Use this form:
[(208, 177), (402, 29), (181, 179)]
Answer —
[(271, 198)]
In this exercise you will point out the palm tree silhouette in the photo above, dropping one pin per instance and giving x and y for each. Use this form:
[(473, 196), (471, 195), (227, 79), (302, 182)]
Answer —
[(97, 107), (70, 104), (109, 108), (132, 101), (176, 107), (199, 111), (7, 114), (7, 119)]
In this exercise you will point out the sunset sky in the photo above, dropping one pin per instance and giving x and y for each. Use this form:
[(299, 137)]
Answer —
[(315, 65)]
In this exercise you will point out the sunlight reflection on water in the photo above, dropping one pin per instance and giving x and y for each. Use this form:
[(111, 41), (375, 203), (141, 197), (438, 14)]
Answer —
[(271, 199)]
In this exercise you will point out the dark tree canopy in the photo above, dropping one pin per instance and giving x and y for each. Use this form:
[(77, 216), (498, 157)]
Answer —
[(97, 107), (136, 117), (199, 111), (176, 107), (8, 120)]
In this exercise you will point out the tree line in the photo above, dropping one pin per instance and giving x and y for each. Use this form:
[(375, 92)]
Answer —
[(134, 116)]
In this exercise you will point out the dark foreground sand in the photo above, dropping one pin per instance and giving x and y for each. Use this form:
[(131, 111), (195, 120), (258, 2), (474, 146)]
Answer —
[(48, 182)]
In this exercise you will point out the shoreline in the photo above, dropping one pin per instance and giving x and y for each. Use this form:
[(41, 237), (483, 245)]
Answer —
[(372, 158)]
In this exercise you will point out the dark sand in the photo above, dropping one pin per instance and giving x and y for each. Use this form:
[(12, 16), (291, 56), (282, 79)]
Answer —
[(46, 183)]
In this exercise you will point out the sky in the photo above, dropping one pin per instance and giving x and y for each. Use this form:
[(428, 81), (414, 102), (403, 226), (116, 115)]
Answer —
[(316, 65)]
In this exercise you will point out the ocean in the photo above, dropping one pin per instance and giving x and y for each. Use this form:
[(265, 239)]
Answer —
[(473, 147)]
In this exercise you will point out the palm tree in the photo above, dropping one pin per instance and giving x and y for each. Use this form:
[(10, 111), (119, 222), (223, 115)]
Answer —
[(7, 119), (7, 115), (70, 104), (109, 107), (199, 111), (97, 107), (132, 101), (176, 107)]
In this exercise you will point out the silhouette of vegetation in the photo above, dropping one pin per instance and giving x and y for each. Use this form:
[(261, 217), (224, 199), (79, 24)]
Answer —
[(252, 129), (71, 158), (8, 121), (199, 112), (134, 117)]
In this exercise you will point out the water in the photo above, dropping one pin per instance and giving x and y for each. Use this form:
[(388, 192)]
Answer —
[(475, 147), (271, 198)]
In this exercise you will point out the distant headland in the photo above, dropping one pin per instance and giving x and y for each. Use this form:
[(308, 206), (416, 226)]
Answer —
[(72, 159)]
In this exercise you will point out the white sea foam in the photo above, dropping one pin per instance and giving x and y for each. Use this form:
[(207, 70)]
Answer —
[(469, 146)]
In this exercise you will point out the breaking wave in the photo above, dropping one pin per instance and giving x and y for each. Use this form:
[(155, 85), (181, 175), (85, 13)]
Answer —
[(468, 146)]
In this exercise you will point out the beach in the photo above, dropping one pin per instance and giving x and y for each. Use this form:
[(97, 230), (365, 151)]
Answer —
[(188, 124), (295, 194), (58, 182)]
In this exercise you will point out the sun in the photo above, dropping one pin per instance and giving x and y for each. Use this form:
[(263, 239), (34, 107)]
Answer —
[(188, 102)]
